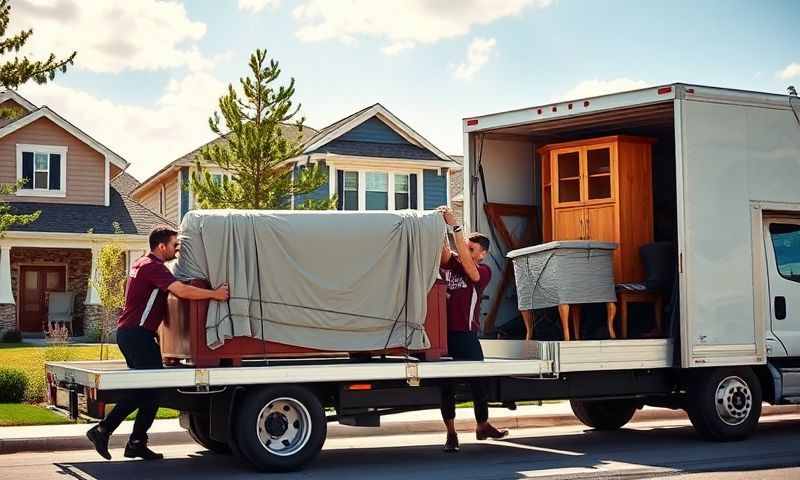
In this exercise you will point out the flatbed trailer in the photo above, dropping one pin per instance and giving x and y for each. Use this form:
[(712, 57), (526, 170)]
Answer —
[(726, 165)]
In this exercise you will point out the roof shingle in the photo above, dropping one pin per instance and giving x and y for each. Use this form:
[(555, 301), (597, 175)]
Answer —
[(133, 218)]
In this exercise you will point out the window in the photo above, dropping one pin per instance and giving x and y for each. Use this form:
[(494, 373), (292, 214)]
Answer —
[(401, 191), (43, 167), (377, 191), (220, 178), (350, 200), (162, 199), (786, 243)]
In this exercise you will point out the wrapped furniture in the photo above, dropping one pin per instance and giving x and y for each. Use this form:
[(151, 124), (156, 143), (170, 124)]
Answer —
[(564, 273)]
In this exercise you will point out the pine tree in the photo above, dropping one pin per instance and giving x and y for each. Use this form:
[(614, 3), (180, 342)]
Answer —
[(13, 73), (254, 149)]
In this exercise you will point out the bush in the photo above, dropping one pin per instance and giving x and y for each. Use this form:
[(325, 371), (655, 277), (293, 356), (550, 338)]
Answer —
[(13, 384), (11, 336)]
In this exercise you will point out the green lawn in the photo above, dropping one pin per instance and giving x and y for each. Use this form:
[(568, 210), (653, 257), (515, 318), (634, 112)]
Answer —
[(17, 414), (30, 359)]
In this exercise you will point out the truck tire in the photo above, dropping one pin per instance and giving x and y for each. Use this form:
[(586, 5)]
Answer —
[(199, 431), (604, 414), (280, 428), (725, 403)]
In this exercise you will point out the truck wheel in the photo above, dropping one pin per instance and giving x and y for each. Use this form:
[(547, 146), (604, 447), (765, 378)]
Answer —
[(604, 414), (199, 431), (280, 428), (725, 403)]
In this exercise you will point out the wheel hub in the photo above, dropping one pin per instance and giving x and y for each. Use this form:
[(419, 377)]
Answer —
[(277, 424), (284, 426), (734, 401)]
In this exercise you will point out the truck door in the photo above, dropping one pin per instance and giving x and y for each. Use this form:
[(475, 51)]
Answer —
[(782, 241)]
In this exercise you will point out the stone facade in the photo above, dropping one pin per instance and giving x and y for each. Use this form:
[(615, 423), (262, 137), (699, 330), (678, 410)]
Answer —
[(78, 263), (8, 317)]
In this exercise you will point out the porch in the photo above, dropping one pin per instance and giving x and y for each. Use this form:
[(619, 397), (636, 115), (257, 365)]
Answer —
[(34, 266)]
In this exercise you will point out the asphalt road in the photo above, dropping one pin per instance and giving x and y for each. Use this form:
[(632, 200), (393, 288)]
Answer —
[(644, 450)]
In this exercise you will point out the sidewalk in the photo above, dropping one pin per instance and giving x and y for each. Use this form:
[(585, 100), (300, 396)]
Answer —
[(168, 432)]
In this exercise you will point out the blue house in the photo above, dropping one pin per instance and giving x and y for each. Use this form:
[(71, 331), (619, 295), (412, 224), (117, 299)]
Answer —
[(375, 161)]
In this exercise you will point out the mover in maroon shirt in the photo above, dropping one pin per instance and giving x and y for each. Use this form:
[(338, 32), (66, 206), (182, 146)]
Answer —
[(466, 277), (149, 282)]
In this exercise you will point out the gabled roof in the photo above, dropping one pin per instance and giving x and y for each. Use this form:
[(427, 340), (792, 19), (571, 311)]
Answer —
[(16, 97), (337, 129), (45, 112), (125, 183), (133, 218), (188, 159)]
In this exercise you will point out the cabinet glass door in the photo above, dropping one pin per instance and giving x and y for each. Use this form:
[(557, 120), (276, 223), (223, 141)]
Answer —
[(568, 176), (598, 173)]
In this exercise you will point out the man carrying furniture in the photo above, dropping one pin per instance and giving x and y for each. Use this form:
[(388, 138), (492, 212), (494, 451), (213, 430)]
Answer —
[(466, 277), (149, 282)]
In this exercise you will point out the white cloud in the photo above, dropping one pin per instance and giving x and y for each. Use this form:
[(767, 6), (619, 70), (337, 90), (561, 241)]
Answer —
[(147, 136), (256, 6), (402, 23), (593, 88), (478, 54), (791, 71), (112, 37), (398, 47)]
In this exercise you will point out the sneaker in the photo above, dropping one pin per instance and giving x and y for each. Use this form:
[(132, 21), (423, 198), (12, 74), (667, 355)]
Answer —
[(138, 449), (482, 433), (99, 439), (451, 445)]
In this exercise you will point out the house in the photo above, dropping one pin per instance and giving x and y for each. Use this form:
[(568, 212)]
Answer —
[(163, 192), (80, 187), (374, 161)]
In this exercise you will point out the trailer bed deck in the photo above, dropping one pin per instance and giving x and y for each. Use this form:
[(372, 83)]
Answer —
[(503, 358)]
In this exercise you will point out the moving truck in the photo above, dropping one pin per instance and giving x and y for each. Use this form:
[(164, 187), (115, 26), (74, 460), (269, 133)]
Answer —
[(724, 171)]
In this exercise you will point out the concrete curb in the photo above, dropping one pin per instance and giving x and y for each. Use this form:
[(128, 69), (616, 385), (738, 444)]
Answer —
[(80, 442)]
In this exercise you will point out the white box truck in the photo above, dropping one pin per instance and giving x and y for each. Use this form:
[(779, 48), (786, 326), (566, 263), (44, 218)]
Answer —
[(726, 165)]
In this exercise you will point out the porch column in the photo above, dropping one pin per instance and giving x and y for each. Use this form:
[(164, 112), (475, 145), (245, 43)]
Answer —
[(92, 297), (6, 295)]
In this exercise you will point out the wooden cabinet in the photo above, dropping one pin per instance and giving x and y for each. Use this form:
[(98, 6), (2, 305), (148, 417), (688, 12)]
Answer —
[(600, 189)]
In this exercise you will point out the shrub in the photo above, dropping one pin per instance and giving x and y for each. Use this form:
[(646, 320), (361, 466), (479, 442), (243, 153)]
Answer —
[(13, 384), (11, 336)]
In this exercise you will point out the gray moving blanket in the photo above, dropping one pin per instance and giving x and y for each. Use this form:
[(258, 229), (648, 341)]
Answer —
[(326, 280)]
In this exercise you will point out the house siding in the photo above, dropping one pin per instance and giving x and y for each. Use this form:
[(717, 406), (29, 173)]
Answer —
[(322, 193), (434, 185), (85, 166), (375, 131), (150, 198)]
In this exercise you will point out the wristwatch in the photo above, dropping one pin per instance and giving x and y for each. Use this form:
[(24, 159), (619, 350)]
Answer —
[(456, 228)]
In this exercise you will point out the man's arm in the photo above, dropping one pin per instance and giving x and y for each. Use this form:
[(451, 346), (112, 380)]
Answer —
[(189, 292), (464, 255)]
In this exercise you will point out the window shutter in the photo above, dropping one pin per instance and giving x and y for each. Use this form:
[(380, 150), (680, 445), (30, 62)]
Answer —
[(27, 169), (412, 191), (339, 190), (55, 171)]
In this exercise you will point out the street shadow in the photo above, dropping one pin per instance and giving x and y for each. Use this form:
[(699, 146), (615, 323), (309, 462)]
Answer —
[(590, 453)]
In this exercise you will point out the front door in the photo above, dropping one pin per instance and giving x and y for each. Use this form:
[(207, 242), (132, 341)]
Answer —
[(782, 240), (35, 282)]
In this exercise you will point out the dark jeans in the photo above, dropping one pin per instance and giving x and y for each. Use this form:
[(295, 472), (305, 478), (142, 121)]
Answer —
[(465, 346), (141, 351)]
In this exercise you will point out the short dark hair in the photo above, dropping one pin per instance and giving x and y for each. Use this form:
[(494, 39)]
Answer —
[(161, 235), (480, 239)]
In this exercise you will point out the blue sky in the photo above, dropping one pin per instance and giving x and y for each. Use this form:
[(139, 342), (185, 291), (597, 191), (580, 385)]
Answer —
[(149, 72)]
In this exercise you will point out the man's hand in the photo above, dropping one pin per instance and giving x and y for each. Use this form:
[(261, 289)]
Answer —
[(447, 214), (221, 293)]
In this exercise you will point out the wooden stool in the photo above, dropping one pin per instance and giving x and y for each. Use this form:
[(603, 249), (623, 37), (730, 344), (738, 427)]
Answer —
[(624, 297)]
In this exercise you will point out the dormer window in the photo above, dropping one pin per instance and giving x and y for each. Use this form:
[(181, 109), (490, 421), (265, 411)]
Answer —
[(44, 169)]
